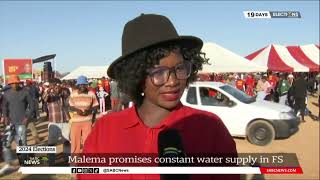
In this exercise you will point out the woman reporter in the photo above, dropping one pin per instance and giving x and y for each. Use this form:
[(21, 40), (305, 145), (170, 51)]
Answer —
[(155, 68)]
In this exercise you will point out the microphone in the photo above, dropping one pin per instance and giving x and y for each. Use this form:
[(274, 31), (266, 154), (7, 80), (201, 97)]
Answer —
[(170, 146)]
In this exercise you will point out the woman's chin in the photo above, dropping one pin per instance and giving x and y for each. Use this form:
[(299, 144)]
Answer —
[(169, 104)]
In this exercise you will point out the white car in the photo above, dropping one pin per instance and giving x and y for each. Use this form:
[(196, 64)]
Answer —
[(259, 120)]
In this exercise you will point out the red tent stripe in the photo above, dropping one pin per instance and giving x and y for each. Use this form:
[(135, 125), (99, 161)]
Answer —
[(297, 53), (275, 63), (318, 46), (253, 55)]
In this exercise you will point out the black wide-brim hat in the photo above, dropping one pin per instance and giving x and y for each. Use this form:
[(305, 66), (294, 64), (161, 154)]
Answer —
[(149, 30)]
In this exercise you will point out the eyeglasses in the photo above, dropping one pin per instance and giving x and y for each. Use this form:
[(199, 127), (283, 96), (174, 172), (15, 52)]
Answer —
[(160, 75)]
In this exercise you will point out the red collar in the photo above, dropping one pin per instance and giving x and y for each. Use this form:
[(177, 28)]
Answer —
[(134, 119)]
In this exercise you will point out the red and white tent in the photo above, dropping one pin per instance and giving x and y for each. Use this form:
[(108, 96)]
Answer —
[(288, 59)]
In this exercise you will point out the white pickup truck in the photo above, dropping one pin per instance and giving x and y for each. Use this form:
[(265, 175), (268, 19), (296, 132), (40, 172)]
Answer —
[(244, 116)]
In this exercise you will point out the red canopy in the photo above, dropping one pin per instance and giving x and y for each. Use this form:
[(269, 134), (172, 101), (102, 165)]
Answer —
[(299, 55), (287, 59)]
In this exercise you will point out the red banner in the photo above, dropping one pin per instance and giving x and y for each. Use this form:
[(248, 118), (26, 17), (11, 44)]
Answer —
[(20, 67), (281, 170)]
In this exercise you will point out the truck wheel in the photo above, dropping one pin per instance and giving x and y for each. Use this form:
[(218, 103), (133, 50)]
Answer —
[(260, 133)]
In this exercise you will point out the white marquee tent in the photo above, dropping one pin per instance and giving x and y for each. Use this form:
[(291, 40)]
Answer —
[(223, 60), (88, 71)]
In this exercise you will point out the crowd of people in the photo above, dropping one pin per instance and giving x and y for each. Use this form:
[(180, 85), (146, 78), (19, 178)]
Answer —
[(285, 88), (70, 107)]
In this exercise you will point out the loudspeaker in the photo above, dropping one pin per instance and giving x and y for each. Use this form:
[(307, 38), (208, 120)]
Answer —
[(47, 67), (47, 71)]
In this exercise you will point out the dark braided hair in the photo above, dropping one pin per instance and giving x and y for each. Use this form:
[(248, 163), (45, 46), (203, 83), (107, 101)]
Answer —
[(131, 72)]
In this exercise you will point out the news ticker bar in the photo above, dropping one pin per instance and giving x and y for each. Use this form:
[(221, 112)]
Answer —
[(161, 170), (271, 14)]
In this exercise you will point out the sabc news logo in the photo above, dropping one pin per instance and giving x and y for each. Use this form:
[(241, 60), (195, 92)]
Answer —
[(43, 160)]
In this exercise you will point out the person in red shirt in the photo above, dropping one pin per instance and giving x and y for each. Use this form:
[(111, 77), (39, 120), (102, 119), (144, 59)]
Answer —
[(250, 85), (272, 80), (105, 84), (240, 84), (212, 92), (154, 74)]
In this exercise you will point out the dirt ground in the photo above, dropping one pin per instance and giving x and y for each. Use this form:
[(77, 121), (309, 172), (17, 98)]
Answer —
[(305, 143)]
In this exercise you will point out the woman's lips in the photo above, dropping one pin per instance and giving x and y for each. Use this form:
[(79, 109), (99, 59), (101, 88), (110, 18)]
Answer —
[(170, 96)]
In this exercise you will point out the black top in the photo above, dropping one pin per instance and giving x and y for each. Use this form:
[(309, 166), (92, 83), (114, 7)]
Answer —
[(299, 88), (15, 104)]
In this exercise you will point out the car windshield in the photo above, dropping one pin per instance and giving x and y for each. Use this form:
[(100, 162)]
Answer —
[(241, 96)]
